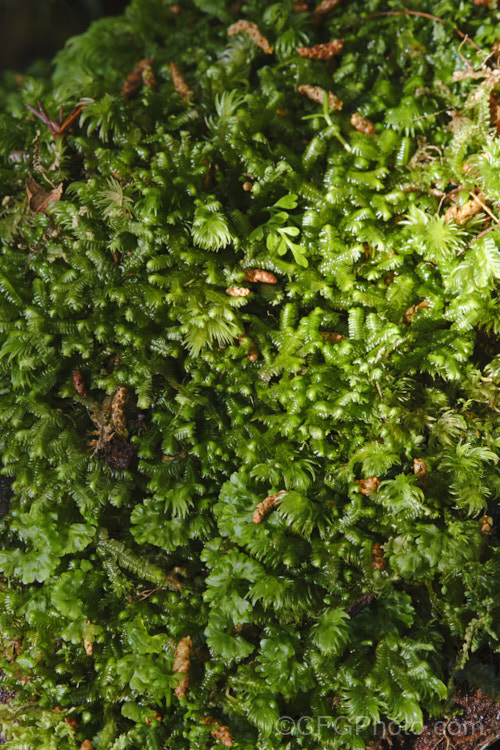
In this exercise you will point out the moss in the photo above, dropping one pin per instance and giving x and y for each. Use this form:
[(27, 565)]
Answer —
[(246, 397)]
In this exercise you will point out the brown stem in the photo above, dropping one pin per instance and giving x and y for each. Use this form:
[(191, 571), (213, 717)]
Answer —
[(415, 13), (481, 234)]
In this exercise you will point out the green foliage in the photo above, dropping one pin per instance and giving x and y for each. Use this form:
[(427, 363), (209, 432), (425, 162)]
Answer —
[(371, 351), (210, 229), (278, 234)]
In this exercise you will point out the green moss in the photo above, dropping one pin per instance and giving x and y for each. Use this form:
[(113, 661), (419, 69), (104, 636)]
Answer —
[(132, 526)]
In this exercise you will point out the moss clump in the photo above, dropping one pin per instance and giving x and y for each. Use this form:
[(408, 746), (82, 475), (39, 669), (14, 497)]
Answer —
[(250, 375)]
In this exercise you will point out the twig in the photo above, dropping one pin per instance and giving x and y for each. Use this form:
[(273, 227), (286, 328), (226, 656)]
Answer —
[(478, 236), (231, 697), (448, 196), (478, 200), (430, 114), (68, 417), (444, 737), (406, 12), (58, 129), (145, 593)]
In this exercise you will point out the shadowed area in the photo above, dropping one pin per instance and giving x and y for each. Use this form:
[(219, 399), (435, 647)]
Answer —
[(31, 29)]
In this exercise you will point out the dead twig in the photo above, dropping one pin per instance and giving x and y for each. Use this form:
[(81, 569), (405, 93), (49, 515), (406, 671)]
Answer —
[(421, 14), (477, 237)]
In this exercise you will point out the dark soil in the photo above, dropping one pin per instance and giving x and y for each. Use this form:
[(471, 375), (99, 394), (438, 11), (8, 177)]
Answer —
[(32, 29), (5, 494), (476, 727)]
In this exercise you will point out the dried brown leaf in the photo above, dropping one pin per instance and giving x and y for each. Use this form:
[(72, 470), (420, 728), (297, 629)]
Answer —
[(38, 198), (368, 485)]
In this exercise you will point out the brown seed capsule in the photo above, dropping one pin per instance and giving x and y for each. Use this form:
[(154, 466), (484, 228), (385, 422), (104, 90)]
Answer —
[(316, 93), (362, 124), (332, 337), (221, 733), (322, 51), (134, 80), (148, 77), (89, 647), (247, 186), (270, 502), (486, 525), (179, 82), (71, 722), (299, 7), (182, 665), (378, 557), (257, 274), (237, 291), (118, 421), (495, 111), (86, 745), (79, 384), (368, 485), (247, 27), (325, 6), (253, 354), (495, 48), (421, 471)]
